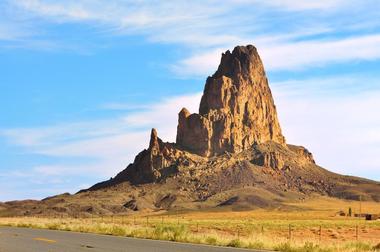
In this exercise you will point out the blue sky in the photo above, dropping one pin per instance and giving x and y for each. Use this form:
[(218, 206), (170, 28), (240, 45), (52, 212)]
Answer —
[(82, 82)]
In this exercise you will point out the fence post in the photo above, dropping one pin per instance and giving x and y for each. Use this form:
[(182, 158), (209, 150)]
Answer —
[(290, 232), (357, 233), (320, 233)]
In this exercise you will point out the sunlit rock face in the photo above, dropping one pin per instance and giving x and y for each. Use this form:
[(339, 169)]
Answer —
[(236, 110)]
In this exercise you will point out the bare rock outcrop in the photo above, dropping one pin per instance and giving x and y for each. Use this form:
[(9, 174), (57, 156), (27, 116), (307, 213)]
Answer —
[(278, 157), (304, 156), (270, 159), (151, 164), (236, 110)]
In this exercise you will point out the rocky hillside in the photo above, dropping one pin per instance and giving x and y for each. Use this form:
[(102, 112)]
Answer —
[(231, 154)]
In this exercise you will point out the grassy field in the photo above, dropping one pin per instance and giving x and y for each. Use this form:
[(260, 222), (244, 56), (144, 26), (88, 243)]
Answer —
[(315, 227)]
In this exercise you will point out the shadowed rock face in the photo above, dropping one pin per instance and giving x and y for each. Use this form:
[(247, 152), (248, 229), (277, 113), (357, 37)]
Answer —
[(236, 110)]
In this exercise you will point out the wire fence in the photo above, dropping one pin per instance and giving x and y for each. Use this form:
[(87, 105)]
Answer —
[(355, 230)]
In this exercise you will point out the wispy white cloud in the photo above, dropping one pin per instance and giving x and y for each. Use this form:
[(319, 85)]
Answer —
[(159, 21), (7, 32), (88, 151), (30, 182), (12, 29), (164, 114), (123, 106), (106, 132), (46, 136), (283, 55), (339, 128), (202, 64), (207, 27), (99, 148), (327, 86), (301, 55), (302, 5)]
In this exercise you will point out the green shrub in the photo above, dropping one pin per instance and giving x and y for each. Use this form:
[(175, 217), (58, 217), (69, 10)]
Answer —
[(25, 225), (172, 233), (236, 243), (310, 247), (116, 230), (307, 247), (284, 247), (359, 246), (53, 226), (256, 245), (211, 240)]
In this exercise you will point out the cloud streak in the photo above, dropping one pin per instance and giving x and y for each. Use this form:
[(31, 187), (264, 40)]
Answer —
[(327, 5), (339, 128), (207, 27), (98, 148), (92, 150), (291, 56)]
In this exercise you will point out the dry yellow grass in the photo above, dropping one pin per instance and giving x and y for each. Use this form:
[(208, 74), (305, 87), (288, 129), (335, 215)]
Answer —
[(313, 228)]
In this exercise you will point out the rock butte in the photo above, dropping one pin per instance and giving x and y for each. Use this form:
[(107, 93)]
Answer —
[(236, 112), (230, 154)]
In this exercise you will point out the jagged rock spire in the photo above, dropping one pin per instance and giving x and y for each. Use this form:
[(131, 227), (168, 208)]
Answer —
[(236, 111), (154, 140)]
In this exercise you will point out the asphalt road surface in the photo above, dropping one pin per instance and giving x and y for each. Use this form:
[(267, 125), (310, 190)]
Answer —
[(39, 240)]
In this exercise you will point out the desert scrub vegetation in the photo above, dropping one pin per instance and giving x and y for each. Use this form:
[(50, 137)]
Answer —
[(240, 232)]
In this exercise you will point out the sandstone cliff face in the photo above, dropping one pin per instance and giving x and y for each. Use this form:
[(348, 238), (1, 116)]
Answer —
[(236, 110)]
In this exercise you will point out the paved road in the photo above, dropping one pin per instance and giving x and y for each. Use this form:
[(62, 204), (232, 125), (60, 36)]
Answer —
[(39, 240)]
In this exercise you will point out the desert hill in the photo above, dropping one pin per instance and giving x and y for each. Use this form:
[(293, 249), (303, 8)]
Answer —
[(231, 154)]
